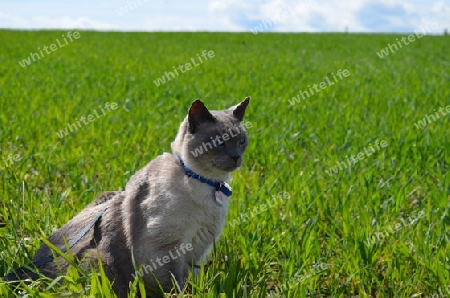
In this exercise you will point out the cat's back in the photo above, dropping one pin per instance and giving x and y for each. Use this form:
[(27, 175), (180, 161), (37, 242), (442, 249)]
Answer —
[(161, 171), (153, 190), (161, 196), (163, 180)]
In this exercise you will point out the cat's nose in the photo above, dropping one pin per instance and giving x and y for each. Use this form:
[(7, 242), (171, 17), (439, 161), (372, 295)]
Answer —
[(235, 158)]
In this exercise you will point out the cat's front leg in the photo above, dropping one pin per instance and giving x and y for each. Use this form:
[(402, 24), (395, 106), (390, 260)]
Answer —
[(163, 272)]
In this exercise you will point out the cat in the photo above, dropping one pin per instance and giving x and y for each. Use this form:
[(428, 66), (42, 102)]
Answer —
[(170, 213)]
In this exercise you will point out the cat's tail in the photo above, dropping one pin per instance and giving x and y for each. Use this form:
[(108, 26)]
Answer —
[(26, 274)]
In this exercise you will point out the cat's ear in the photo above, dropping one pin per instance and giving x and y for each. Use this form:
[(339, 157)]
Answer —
[(239, 110), (198, 114)]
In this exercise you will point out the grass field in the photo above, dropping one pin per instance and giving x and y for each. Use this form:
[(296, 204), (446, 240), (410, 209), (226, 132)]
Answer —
[(305, 220)]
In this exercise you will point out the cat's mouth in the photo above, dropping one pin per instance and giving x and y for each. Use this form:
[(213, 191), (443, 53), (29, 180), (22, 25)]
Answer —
[(228, 167)]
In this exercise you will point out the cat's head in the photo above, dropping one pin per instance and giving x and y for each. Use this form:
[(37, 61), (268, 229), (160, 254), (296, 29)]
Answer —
[(212, 143)]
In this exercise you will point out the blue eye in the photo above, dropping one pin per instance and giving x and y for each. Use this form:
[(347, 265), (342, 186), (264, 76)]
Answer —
[(242, 142)]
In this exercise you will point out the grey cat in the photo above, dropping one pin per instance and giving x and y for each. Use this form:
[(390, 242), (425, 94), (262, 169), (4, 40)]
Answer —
[(170, 213)]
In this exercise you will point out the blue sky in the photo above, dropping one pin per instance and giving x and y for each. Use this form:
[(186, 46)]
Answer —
[(228, 15)]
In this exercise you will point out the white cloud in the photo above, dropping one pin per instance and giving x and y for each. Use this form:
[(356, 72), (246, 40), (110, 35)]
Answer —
[(44, 22), (10, 21), (67, 22), (299, 15), (334, 15), (174, 23), (230, 15), (439, 13)]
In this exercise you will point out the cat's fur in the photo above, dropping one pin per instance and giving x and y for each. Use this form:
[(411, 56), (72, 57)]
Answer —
[(160, 209)]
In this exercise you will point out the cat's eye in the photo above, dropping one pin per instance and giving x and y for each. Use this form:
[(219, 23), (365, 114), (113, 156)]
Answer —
[(220, 143), (242, 142)]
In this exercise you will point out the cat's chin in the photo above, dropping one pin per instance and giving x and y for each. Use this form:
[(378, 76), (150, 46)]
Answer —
[(226, 169), (218, 174), (212, 171)]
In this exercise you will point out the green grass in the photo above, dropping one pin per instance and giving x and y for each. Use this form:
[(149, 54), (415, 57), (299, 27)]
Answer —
[(311, 241)]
